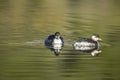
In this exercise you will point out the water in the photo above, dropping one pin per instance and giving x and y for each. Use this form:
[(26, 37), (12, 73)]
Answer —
[(24, 24)]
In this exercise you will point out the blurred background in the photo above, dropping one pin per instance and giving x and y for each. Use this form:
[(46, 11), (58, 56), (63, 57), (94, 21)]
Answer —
[(24, 24)]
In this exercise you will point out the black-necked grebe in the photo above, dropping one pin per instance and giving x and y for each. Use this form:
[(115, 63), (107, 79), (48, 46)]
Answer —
[(88, 44), (54, 42)]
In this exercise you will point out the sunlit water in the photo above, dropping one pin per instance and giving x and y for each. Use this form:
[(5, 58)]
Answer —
[(24, 24)]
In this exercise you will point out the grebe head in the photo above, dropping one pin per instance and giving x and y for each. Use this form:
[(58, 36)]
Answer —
[(96, 37), (57, 35)]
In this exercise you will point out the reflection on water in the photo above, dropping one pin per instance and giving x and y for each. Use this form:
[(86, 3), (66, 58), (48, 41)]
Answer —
[(24, 24)]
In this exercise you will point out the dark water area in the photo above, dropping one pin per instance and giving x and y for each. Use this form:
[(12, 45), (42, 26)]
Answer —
[(24, 24)]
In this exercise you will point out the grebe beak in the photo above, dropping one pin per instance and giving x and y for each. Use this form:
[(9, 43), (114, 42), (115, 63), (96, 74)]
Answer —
[(100, 39)]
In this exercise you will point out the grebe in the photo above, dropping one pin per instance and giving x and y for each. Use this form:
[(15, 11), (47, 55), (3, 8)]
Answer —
[(88, 44)]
